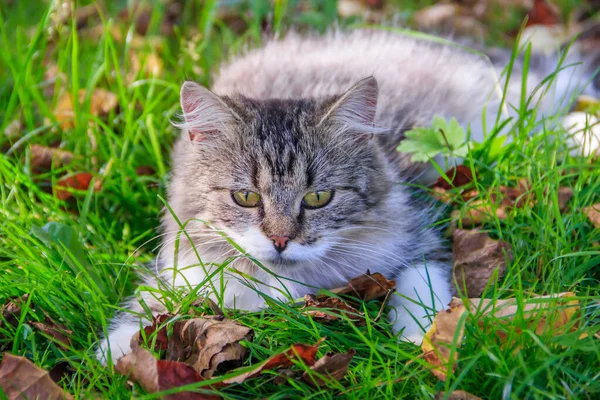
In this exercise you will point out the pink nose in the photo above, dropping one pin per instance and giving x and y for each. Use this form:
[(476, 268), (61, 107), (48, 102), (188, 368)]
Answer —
[(280, 242)]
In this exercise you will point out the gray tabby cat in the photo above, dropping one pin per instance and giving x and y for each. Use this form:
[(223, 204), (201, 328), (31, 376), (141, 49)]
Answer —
[(292, 156)]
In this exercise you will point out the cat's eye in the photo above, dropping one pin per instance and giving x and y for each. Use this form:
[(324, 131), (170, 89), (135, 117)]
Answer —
[(317, 199), (246, 198)]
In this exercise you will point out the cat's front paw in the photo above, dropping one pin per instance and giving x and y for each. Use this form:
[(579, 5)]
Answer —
[(411, 331), (119, 342)]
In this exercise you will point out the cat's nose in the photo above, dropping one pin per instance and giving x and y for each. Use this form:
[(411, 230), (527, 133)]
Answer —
[(280, 242)]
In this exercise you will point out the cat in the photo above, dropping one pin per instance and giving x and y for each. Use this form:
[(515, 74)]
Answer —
[(292, 157)]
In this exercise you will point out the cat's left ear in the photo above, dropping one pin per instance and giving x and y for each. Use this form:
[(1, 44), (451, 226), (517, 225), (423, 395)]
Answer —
[(356, 108), (204, 112)]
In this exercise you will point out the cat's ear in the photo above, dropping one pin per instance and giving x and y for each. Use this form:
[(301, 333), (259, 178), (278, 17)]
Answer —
[(204, 113), (356, 108)]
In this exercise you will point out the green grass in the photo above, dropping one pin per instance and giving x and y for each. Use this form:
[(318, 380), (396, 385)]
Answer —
[(83, 263)]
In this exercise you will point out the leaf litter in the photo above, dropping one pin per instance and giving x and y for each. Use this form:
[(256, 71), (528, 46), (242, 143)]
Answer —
[(442, 342), (20, 378)]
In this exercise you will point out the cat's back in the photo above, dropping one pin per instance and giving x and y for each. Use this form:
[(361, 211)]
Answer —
[(417, 78)]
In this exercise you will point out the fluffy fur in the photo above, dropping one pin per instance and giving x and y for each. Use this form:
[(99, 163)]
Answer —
[(313, 114)]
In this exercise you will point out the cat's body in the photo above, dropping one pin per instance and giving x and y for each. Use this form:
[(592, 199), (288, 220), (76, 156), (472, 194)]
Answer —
[(289, 121)]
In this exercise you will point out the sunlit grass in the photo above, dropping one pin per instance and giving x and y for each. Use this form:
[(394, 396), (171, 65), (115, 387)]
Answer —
[(113, 232)]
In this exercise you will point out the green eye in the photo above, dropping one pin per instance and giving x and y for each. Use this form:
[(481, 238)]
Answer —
[(317, 199), (245, 198)]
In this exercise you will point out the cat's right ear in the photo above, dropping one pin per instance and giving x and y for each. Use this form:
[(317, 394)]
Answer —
[(204, 113)]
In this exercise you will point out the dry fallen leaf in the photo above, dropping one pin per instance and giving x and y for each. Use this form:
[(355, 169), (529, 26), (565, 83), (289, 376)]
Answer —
[(11, 310), (365, 287), (476, 259), (80, 181), (459, 176), (304, 352), (157, 375), (593, 214), (333, 366), (102, 102), (449, 17), (502, 199), (42, 158), (564, 195), (21, 379), (14, 129), (543, 13), (58, 332), (150, 65), (457, 395), (325, 309), (162, 339), (207, 343), (145, 170), (448, 326)]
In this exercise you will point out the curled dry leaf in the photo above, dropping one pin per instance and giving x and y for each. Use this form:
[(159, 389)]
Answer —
[(42, 158), (456, 395), (543, 13), (14, 129), (303, 352), (80, 181), (21, 379), (459, 176), (366, 287), (325, 310), (58, 332), (499, 201), (447, 328), (208, 343), (593, 214), (334, 366), (156, 375), (158, 327), (102, 102), (477, 258), (11, 311)]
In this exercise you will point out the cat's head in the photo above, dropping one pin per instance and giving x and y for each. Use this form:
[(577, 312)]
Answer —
[(283, 178)]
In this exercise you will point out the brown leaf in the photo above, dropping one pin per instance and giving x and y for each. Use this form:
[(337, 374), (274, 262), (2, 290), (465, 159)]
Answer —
[(208, 344), (366, 287), (145, 170), (140, 15), (80, 181), (150, 65), (449, 17), (42, 158), (593, 214), (477, 257), (564, 195), (11, 311), (20, 378), (325, 309), (58, 332), (156, 376), (158, 326), (499, 201), (543, 13), (456, 395), (449, 324), (14, 129), (102, 102), (459, 176), (334, 366), (303, 352)]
